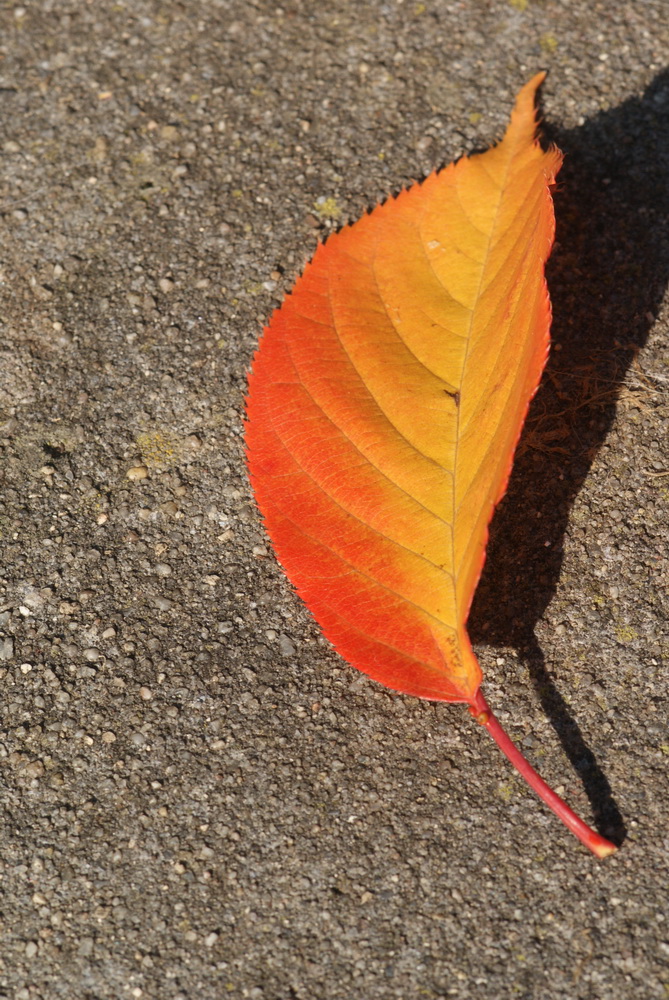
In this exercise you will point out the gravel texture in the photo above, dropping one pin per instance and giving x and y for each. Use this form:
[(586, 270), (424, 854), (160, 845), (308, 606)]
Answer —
[(199, 799)]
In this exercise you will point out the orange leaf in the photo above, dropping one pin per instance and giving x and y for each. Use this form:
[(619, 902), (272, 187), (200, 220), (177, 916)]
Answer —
[(386, 401)]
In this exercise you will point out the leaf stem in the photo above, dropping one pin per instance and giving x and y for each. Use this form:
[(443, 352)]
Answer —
[(482, 712)]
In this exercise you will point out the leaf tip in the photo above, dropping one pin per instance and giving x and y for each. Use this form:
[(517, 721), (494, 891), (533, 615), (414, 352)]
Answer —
[(532, 86), (524, 114), (522, 129)]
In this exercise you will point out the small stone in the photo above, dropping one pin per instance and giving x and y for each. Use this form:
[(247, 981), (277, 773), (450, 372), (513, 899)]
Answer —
[(210, 940), (6, 649), (108, 737), (137, 472), (166, 285), (109, 633), (34, 599), (145, 694), (92, 654), (101, 519), (31, 949), (85, 595), (85, 948), (163, 569), (286, 648), (25, 668), (211, 580), (60, 60), (34, 770), (162, 603), (67, 608)]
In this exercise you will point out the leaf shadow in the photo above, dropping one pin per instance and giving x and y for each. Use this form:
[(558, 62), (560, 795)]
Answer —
[(607, 277)]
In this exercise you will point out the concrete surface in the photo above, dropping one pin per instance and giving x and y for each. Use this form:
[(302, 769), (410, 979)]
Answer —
[(199, 799)]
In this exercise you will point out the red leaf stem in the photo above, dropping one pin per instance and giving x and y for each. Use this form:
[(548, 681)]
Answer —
[(482, 712)]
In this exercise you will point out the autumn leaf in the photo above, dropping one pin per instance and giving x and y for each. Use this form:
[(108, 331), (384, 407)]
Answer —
[(385, 403)]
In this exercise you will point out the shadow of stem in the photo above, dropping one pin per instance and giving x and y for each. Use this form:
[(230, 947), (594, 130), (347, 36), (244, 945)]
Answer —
[(607, 817)]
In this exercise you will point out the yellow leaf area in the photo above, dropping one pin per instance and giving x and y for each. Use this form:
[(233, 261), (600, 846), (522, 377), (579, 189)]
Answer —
[(386, 401)]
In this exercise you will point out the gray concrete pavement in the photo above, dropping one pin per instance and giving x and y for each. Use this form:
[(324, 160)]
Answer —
[(199, 799)]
